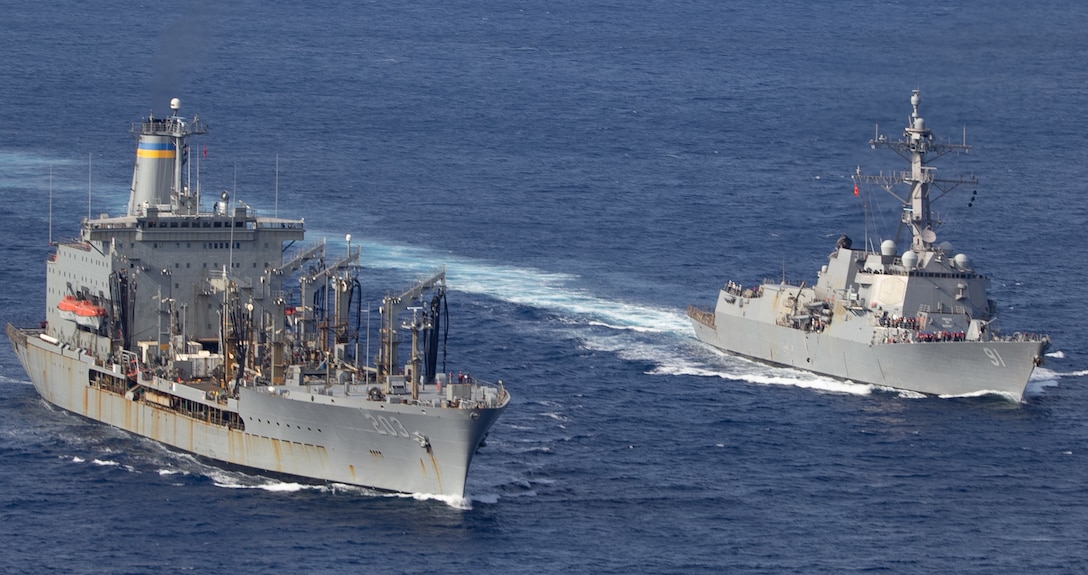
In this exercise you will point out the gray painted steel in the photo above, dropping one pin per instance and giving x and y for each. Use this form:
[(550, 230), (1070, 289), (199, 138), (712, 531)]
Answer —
[(175, 324), (920, 321)]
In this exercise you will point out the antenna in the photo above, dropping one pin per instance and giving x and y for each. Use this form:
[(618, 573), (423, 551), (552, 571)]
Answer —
[(276, 202), (188, 179), (50, 204), (88, 185), (866, 222), (233, 217), (197, 190)]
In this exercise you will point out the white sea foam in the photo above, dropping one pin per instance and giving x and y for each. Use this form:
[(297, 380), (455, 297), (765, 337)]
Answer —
[(603, 325), (462, 503), (807, 381), (1041, 373), (704, 362), (612, 326), (635, 328), (1041, 379), (904, 393), (230, 481), (1045, 374), (285, 487), (16, 380), (980, 393), (526, 286), (165, 472)]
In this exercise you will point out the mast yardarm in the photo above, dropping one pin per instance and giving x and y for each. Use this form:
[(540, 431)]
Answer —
[(919, 148)]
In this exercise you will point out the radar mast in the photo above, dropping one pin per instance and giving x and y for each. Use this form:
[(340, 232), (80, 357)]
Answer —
[(919, 148)]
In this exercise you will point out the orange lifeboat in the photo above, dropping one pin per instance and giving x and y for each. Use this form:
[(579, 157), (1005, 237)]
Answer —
[(81, 311)]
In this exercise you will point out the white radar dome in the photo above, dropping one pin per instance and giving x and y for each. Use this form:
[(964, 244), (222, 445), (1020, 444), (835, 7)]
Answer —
[(910, 259), (887, 247), (962, 262), (175, 104)]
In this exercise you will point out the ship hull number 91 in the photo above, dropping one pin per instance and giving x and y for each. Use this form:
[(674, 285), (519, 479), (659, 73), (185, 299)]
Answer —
[(995, 358)]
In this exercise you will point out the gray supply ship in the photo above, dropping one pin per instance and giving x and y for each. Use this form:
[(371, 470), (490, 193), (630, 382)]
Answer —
[(219, 333), (915, 320)]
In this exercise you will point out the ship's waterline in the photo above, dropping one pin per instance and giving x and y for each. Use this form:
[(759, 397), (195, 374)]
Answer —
[(916, 320), (215, 332)]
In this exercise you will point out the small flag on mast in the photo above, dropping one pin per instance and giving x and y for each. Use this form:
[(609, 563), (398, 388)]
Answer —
[(855, 188)]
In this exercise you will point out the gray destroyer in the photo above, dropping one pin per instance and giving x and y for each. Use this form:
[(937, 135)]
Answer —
[(219, 333), (918, 320)]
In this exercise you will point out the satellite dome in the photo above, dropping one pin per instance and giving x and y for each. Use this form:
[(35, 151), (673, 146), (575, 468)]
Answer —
[(910, 259), (946, 247), (887, 248), (962, 262)]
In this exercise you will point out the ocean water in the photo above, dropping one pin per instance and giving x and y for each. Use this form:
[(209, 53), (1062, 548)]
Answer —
[(585, 170)]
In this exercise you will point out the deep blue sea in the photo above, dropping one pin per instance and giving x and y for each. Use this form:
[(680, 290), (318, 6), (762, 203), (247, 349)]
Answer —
[(585, 169)]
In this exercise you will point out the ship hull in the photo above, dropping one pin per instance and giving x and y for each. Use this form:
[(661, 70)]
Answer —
[(950, 368), (917, 319), (390, 447)]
